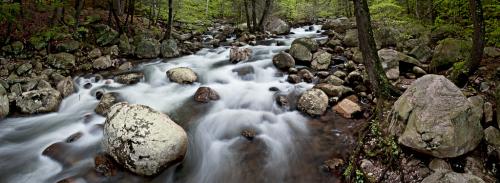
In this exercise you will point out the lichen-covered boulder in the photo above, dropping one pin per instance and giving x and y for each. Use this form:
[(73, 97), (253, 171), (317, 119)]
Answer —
[(313, 102), (148, 48), (300, 52), (321, 60), (39, 101), (66, 86), (169, 48), (143, 140), (283, 61), (439, 120), (61, 60), (182, 75)]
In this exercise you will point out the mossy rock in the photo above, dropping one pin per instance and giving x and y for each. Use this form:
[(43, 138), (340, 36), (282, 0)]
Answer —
[(148, 48), (68, 46), (61, 60), (448, 52), (38, 42), (105, 35)]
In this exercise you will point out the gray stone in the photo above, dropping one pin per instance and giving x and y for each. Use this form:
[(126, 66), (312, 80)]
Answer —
[(277, 26), (66, 87), (439, 164), (102, 62), (169, 48), (182, 75), (351, 38), (447, 176), (492, 137), (68, 46), (449, 51), (333, 90), (309, 43), (61, 60), (39, 101), (130, 78), (300, 52), (418, 71), (334, 80), (4, 103), (321, 60), (107, 100), (24, 68), (439, 120), (283, 61), (492, 52), (143, 140), (95, 53), (488, 112), (313, 102), (148, 48)]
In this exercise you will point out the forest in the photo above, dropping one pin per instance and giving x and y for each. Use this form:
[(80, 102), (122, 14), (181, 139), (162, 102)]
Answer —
[(206, 91)]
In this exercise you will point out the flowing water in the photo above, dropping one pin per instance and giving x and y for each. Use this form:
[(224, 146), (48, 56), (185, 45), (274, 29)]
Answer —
[(217, 152)]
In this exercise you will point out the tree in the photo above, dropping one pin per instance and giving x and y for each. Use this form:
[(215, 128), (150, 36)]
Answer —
[(168, 35), (476, 12), (376, 75), (265, 14), (78, 9)]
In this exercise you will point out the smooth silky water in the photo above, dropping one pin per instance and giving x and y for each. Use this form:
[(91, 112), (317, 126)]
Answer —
[(217, 152)]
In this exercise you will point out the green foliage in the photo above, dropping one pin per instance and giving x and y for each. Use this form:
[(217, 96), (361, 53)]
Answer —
[(9, 12), (385, 9)]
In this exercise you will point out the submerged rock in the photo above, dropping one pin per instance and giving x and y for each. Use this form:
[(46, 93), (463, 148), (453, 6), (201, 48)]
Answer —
[(182, 75), (39, 101), (313, 102), (205, 95), (143, 140), (439, 120), (239, 54)]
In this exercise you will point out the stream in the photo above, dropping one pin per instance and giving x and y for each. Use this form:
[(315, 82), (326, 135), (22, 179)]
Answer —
[(285, 148)]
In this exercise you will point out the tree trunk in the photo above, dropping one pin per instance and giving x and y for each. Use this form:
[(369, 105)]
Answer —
[(476, 12), (376, 74), (254, 16), (168, 35), (265, 14), (247, 14), (78, 9), (206, 9)]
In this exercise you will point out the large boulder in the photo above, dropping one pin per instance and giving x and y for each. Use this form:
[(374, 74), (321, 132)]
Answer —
[(182, 75), (283, 61), (66, 86), (449, 51), (169, 48), (39, 101), (300, 52), (143, 140), (4, 103), (351, 38), (277, 26), (390, 62), (148, 48), (339, 25), (439, 120), (447, 176), (313, 102), (61, 60), (321, 60), (102, 62), (309, 43)]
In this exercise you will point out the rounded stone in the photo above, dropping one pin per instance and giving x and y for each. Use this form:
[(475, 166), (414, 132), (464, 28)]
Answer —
[(182, 75), (313, 102)]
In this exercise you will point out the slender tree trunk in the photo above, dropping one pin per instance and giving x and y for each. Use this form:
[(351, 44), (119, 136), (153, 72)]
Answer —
[(78, 9), (206, 9), (265, 14), (247, 14), (170, 19), (476, 12), (254, 16), (376, 75), (417, 14)]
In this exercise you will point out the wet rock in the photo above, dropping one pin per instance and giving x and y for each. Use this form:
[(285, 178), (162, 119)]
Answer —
[(449, 51), (87, 85), (277, 26), (239, 54), (451, 177), (102, 62), (333, 90), (422, 53), (354, 78), (169, 48), (74, 137), (313, 102), (95, 53), (107, 100), (309, 43), (283, 61), (321, 60), (129, 78), (351, 38), (347, 108), (4, 103), (68, 46), (24, 68), (306, 75), (66, 87), (334, 165), (322, 74), (61, 60), (55, 151), (125, 66), (249, 134), (148, 48), (105, 165), (39, 101), (294, 78), (439, 120), (205, 95), (282, 101), (182, 75), (302, 48), (340, 74), (439, 165), (143, 140)]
